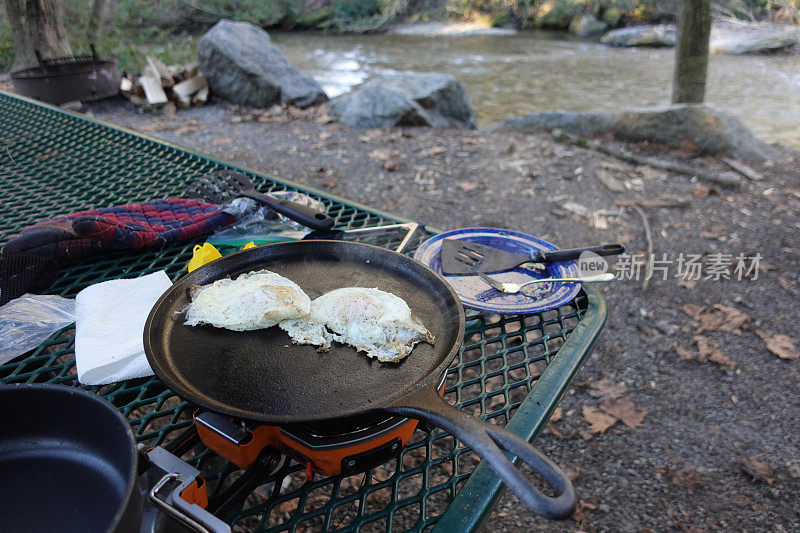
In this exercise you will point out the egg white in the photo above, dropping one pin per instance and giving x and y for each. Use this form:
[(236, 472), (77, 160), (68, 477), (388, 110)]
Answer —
[(258, 299), (370, 320)]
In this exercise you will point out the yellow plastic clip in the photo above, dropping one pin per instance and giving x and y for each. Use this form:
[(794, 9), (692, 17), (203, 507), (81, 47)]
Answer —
[(249, 245), (202, 255)]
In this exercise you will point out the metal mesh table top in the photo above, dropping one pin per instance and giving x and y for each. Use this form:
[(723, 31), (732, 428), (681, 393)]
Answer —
[(54, 162)]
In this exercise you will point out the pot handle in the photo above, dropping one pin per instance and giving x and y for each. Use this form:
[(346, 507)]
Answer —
[(192, 516), (489, 441)]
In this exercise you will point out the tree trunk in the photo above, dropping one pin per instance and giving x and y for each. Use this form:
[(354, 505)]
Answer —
[(96, 20), (691, 52), (36, 25)]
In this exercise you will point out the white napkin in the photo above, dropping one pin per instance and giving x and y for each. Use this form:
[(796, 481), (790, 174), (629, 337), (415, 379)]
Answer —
[(110, 325)]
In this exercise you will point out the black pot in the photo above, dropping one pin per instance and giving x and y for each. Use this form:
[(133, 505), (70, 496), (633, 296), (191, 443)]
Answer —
[(67, 462)]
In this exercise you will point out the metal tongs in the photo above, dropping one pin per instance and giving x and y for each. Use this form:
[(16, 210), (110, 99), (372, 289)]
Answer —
[(356, 234)]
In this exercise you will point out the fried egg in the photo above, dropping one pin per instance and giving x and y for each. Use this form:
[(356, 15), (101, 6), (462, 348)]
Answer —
[(255, 300), (369, 320)]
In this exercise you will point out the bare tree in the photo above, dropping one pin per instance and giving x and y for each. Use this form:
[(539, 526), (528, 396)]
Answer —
[(36, 25), (691, 52), (96, 20)]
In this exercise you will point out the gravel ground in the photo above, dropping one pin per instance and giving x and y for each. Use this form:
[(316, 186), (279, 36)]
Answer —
[(719, 446)]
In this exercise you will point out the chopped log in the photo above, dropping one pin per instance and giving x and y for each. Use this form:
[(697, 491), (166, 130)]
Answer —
[(185, 89), (201, 97), (191, 69), (161, 70), (153, 91), (126, 86), (176, 86)]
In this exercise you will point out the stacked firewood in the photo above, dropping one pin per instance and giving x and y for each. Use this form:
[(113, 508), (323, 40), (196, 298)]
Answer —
[(163, 87)]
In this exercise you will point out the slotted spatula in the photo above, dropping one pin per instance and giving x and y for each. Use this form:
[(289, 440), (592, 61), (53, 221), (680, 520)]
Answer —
[(460, 257), (222, 186)]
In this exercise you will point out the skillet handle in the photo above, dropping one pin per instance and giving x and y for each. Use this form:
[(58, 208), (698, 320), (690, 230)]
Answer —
[(489, 441)]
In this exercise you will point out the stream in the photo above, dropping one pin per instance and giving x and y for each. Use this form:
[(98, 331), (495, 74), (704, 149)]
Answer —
[(511, 75)]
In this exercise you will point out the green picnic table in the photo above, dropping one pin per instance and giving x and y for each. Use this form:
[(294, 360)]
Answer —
[(513, 368)]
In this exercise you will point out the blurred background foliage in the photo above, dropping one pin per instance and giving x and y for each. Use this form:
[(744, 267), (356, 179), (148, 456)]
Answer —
[(169, 28)]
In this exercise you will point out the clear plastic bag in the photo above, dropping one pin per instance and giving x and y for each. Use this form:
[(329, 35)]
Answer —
[(29, 320), (261, 224)]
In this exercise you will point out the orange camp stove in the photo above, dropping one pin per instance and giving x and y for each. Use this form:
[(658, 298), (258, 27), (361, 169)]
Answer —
[(345, 447)]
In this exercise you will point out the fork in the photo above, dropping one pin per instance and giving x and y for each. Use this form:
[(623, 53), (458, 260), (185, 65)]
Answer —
[(513, 288)]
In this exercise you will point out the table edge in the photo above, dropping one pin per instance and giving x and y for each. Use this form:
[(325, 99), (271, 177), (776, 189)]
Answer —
[(474, 501)]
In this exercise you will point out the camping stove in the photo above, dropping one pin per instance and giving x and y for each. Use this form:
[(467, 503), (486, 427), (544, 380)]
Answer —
[(175, 493), (333, 448)]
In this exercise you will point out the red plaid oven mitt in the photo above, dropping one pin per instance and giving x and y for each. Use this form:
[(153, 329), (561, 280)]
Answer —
[(126, 227)]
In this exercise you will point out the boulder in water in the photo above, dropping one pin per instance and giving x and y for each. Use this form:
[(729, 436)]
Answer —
[(648, 35), (751, 40)]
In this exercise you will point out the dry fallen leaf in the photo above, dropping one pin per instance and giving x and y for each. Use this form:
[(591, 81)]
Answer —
[(683, 353), (718, 317), (701, 191), (553, 430), (557, 415), (605, 388), (608, 179), (576, 208), (624, 409), (436, 150), (688, 476), (735, 320), (708, 350), (779, 344), (759, 470), (468, 186), (597, 419), (390, 159)]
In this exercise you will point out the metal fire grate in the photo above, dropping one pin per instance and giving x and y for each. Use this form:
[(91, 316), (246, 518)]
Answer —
[(55, 162)]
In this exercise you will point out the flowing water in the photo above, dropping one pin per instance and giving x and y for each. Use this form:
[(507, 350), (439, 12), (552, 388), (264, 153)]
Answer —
[(511, 75)]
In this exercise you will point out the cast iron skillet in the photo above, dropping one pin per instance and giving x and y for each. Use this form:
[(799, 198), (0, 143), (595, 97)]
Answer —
[(261, 376)]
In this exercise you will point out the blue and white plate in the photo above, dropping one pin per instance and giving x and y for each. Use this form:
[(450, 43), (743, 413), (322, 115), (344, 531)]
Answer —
[(477, 294)]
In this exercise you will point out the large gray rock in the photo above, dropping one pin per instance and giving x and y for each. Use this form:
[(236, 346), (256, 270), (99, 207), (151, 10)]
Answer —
[(406, 99), (641, 36), (587, 25), (751, 40), (243, 66), (712, 131)]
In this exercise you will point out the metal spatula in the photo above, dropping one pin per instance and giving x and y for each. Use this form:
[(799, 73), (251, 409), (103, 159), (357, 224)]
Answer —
[(460, 257), (222, 186)]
